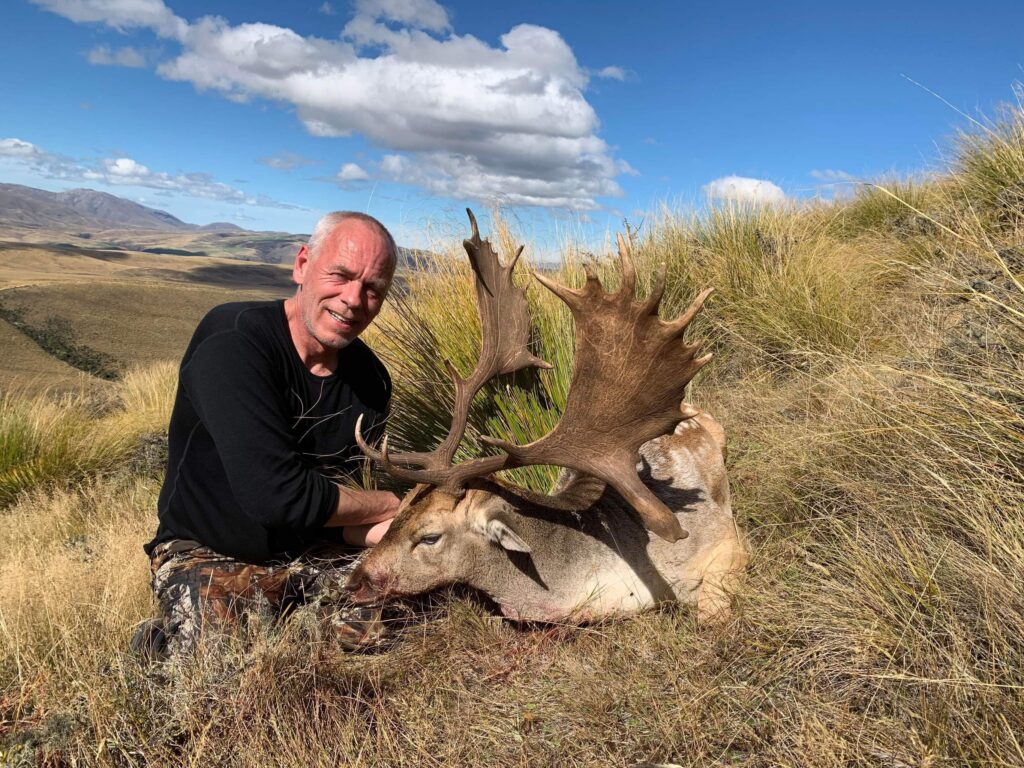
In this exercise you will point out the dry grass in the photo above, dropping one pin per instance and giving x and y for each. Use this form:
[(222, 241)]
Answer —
[(133, 322), (28, 368), (870, 378), (47, 439)]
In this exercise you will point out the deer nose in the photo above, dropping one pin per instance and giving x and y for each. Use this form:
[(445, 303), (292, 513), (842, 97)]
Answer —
[(355, 579), (359, 585)]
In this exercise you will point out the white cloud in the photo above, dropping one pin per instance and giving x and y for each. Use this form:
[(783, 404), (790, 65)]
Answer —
[(125, 167), (743, 190), (394, 165), (326, 9), (120, 14), (126, 172), (20, 149), (286, 161), (352, 172), (119, 57), (830, 175), (627, 169), (501, 123), (419, 14), (613, 73)]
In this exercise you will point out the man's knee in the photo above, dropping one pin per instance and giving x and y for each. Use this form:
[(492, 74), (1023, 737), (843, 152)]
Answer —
[(196, 588)]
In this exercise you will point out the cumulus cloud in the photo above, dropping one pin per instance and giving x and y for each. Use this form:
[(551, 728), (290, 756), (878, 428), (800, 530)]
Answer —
[(352, 172), (117, 57), (120, 14), (124, 171), (286, 161), (419, 14), (739, 189), (20, 149), (506, 123)]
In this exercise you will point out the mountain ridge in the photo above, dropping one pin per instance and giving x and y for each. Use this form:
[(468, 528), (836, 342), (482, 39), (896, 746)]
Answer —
[(81, 208)]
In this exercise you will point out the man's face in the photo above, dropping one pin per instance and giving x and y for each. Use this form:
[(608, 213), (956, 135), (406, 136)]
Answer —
[(343, 286)]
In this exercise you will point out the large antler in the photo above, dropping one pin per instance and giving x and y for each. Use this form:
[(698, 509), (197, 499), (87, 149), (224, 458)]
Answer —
[(629, 374), (505, 334)]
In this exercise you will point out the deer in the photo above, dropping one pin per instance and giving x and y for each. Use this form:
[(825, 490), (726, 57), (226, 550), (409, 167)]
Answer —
[(640, 515)]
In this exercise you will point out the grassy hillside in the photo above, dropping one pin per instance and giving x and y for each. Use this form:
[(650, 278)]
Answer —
[(869, 372), (266, 247), (72, 318)]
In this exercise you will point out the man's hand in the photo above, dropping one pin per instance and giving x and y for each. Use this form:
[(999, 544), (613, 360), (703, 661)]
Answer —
[(365, 515), (365, 535)]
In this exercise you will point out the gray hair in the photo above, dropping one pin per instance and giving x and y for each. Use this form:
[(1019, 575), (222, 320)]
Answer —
[(329, 222)]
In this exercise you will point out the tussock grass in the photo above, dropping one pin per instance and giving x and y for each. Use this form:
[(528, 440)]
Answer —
[(902, 208), (64, 439), (989, 168), (785, 284), (870, 378)]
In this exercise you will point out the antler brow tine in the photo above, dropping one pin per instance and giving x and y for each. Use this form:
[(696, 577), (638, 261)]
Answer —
[(505, 335)]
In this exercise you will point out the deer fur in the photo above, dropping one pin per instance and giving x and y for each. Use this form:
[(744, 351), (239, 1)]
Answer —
[(541, 563)]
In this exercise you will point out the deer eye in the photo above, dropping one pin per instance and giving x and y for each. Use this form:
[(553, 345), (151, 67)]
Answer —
[(429, 539)]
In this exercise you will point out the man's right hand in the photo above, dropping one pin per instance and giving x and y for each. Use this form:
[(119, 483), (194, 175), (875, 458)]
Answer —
[(359, 507)]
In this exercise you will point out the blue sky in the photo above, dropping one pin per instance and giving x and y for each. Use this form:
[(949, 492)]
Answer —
[(571, 114)]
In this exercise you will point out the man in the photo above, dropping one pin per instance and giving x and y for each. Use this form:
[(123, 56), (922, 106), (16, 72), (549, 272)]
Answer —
[(262, 454)]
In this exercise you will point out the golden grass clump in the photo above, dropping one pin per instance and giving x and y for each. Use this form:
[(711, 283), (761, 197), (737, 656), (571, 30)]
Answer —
[(65, 438), (870, 380), (989, 167)]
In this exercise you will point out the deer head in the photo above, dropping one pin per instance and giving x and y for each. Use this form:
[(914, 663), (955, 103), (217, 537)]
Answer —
[(629, 375)]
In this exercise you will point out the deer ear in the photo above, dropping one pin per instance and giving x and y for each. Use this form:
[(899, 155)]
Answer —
[(499, 533)]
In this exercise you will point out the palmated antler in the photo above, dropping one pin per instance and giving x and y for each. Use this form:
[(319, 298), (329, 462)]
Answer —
[(505, 334), (629, 374)]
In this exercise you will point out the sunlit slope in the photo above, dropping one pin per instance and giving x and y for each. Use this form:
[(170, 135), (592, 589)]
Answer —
[(129, 308), (25, 367)]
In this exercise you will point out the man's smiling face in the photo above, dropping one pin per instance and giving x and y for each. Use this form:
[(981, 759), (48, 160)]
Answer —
[(343, 285)]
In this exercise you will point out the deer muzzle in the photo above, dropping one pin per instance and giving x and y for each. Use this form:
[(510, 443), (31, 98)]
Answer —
[(365, 586)]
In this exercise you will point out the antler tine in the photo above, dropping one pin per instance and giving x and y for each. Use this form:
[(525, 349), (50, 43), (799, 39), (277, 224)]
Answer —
[(505, 334), (475, 236), (657, 290), (568, 295), (628, 289), (679, 324), (382, 458), (609, 414), (450, 479), (515, 259)]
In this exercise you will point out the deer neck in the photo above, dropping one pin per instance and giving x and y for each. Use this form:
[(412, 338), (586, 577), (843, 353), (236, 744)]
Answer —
[(577, 569)]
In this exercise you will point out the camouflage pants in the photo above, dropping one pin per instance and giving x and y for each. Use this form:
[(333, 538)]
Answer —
[(197, 588)]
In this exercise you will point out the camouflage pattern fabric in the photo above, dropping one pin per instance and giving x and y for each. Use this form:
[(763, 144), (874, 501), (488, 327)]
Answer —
[(198, 588)]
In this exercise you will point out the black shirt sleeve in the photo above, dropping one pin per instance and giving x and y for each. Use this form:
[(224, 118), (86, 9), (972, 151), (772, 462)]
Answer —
[(231, 384)]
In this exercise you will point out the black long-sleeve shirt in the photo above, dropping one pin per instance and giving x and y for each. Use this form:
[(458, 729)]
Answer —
[(255, 438)]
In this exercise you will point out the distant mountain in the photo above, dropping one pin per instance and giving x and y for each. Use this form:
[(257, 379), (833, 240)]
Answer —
[(89, 219), (80, 209), (118, 212), (28, 207), (221, 226)]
